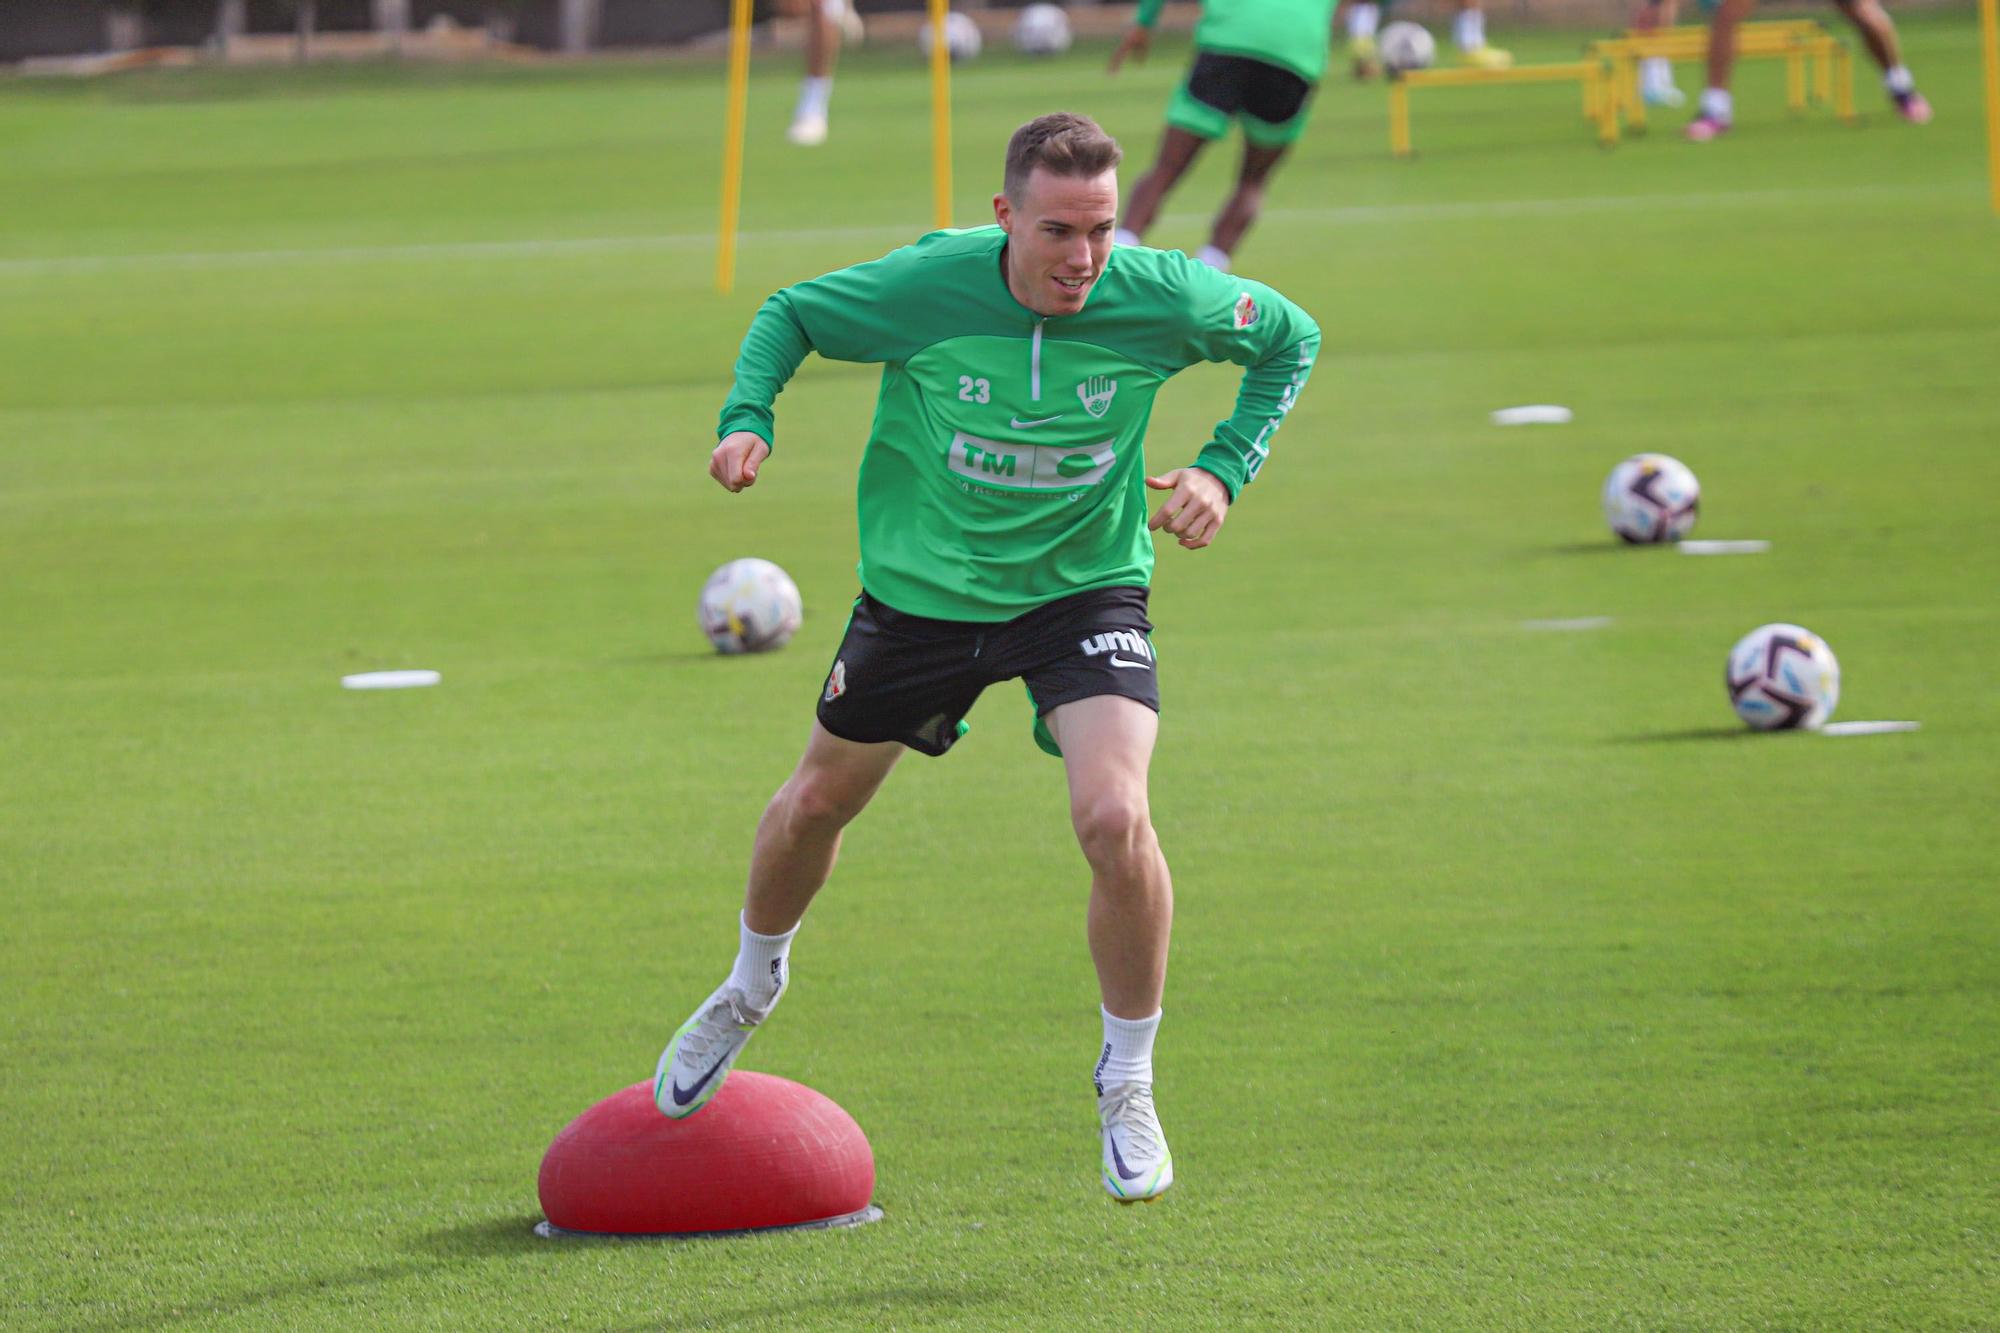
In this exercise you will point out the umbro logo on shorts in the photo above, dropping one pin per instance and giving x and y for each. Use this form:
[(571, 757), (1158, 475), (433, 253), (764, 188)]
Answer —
[(1124, 645)]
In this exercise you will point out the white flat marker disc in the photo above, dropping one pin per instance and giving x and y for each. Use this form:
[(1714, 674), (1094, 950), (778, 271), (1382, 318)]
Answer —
[(1574, 623), (1534, 414), (390, 680), (1753, 547), (1866, 728)]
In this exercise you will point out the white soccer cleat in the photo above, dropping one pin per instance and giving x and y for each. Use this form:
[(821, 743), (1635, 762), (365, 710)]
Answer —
[(1137, 1166), (808, 131), (696, 1061)]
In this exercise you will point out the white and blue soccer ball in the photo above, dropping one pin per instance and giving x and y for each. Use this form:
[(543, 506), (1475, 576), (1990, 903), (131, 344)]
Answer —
[(1651, 498), (1783, 677), (1042, 30), (1404, 45), (961, 37), (749, 606)]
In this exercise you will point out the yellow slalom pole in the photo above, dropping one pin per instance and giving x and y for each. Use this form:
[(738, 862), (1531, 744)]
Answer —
[(1399, 118), (732, 150), (1989, 30), (940, 113)]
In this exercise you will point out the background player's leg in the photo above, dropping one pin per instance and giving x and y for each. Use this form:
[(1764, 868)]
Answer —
[(809, 119), (1717, 110), (1878, 31), (1107, 745), (1363, 20), (1178, 150), (799, 835), (1656, 73), (1243, 204), (1468, 30)]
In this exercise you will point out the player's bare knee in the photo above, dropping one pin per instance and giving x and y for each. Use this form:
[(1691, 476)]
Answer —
[(1113, 829), (823, 800)]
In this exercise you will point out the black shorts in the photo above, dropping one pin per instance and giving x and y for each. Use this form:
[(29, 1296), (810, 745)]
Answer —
[(912, 679), (1237, 85)]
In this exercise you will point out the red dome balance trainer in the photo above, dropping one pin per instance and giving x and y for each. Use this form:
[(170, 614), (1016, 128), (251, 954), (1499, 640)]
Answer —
[(765, 1153)]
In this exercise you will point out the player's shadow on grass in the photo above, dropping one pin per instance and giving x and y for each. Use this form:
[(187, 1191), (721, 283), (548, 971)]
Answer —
[(1691, 734), (212, 1309), (495, 1236), (689, 657), (893, 1306), (1589, 548)]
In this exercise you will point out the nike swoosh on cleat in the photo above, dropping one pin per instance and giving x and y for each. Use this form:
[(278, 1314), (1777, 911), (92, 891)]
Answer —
[(682, 1096), (1019, 424), (1116, 1159), (1118, 661)]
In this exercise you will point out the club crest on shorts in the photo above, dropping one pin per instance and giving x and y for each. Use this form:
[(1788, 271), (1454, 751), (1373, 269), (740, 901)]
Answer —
[(1246, 311), (1096, 393), (836, 683)]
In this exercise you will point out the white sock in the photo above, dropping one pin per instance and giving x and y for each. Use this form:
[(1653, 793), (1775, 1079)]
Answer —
[(1469, 29), (761, 963), (815, 91), (1128, 1051), (1717, 104), (1899, 81), (1656, 73), (1123, 237), (1214, 258), (1361, 21)]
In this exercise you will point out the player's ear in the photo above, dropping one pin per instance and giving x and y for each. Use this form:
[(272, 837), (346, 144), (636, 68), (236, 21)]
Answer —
[(1003, 213)]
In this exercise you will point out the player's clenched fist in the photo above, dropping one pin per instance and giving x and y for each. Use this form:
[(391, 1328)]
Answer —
[(1196, 508), (735, 461)]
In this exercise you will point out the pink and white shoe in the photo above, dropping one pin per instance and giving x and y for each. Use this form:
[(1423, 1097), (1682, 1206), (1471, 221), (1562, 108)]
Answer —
[(1912, 107), (1705, 127)]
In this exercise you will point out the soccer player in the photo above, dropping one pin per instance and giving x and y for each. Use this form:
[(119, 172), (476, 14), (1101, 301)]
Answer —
[(1004, 535), (1257, 62), (823, 24), (1877, 31), (1468, 32)]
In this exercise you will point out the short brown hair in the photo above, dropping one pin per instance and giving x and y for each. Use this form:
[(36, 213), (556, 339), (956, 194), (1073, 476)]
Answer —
[(1061, 143)]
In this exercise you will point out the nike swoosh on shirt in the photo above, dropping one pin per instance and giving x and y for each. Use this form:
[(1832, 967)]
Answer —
[(1116, 660), (1019, 424), (682, 1096)]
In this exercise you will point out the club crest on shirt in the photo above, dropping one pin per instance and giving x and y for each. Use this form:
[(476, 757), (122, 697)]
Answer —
[(1246, 311), (1096, 393)]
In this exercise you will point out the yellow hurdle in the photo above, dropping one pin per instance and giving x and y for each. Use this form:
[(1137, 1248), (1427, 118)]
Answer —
[(1588, 74), (1793, 41)]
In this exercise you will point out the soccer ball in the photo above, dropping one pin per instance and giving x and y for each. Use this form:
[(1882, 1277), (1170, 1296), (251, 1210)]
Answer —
[(1042, 30), (1405, 45), (1651, 498), (961, 37), (749, 606), (1781, 677)]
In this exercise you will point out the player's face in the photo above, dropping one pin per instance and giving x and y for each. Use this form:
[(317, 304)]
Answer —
[(1058, 237)]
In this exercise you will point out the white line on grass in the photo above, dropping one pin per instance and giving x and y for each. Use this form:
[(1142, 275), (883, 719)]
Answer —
[(1866, 728), (1572, 623), (1752, 546), (1357, 215)]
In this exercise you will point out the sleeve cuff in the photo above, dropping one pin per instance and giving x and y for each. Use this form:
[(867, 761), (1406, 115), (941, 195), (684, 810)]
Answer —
[(758, 426), (1222, 463)]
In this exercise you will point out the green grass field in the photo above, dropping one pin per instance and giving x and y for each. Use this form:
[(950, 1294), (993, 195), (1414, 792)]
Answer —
[(1514, 985)]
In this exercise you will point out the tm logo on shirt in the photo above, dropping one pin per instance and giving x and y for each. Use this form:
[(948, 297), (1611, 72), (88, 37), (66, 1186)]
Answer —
[(1096, 393)]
